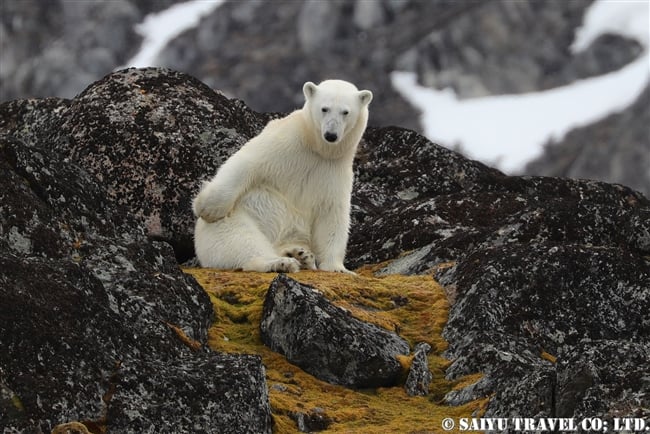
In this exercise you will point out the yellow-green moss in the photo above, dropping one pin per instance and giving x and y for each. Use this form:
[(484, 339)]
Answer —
[(414, 306)]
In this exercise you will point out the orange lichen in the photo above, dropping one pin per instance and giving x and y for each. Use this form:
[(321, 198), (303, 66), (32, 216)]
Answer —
[(188, 341), (71, 428), (546, 356)]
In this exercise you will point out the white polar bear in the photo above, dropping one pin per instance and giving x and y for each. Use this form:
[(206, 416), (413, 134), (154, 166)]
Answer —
[(282, 202)]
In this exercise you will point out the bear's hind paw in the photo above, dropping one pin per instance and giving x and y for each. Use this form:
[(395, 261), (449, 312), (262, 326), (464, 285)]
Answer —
[(306, 258)]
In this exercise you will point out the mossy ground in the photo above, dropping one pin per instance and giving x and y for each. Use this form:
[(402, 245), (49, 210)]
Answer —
[(414, 306)]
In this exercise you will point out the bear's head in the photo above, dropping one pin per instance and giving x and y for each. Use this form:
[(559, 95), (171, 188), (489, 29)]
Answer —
[(338, 110)]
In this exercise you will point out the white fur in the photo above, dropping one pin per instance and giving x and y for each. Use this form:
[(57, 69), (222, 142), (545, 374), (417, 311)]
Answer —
[(282, 202)]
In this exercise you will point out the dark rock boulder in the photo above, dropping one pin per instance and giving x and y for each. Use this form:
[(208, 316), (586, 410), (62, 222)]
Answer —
[(97, 322), (556, 296), (148, 136), (516, 302), (607, 377), (543, 267), (442, 206), (326, 341)]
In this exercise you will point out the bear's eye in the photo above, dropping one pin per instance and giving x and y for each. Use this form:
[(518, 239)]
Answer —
[(345, 112), (325, 109)]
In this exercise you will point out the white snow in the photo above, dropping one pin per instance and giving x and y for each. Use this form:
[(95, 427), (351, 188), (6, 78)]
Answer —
[(160, 28), (629, 18), (507, 131)]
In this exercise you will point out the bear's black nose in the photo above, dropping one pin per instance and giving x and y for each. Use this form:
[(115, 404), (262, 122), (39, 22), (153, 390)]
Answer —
[(331, 137)]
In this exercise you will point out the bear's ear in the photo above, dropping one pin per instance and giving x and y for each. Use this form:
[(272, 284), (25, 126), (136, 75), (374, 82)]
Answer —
[(365, 96), (309, 89)]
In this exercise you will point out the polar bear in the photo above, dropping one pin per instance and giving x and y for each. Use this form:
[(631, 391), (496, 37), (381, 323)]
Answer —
[(282, 201)]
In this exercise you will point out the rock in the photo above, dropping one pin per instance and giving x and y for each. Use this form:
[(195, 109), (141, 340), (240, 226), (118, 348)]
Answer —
[(98, 324), (313, 421), (522, 300), (607, 377), (572, 253), (326, 340), (443, 205), (420, 376), (149, 136)]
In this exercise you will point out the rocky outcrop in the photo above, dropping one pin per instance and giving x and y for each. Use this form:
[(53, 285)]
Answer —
[(162, 131), (326, 341), (518, 302), (572, 253), (548, 278), (98, 323)]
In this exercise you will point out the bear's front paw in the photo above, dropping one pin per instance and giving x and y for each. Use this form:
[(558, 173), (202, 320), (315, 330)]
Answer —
[(207, 209)]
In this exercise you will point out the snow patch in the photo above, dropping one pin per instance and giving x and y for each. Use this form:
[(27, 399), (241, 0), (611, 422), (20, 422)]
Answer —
[(508, 131), (160, 28)]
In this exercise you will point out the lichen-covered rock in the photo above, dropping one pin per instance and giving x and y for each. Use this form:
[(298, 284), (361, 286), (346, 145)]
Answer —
[(420, 376), (516, 302), (541, 264), (149, 136), (97, 322), (413, 195), (326, 341), (604, 377)]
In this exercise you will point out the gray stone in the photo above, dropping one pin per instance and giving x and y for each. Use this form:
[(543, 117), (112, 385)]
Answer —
[(420, 376), (312, 421), (326, 341)]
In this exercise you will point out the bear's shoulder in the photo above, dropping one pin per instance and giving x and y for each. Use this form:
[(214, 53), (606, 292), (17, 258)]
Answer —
[(292, 120)]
